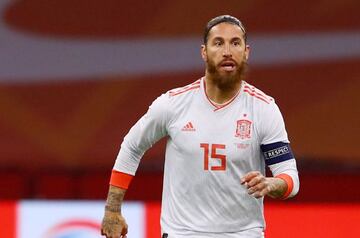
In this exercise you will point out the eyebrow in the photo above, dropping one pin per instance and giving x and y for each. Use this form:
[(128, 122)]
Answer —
[(222, 38)]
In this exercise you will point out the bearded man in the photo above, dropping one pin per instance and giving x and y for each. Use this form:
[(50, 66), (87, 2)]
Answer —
[(221, 132)]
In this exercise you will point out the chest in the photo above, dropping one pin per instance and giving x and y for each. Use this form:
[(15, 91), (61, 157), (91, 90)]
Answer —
[(226, 134)]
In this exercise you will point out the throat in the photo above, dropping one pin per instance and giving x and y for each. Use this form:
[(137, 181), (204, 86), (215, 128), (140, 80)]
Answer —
[(220, 96), (221, 101)]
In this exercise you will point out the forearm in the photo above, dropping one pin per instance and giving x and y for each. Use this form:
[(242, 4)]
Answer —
[(287, 171), (113, 223), (114, 199), (278, 187)]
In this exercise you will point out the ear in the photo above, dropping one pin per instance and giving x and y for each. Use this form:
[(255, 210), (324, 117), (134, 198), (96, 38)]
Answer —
[(203, 53), (247, 52)]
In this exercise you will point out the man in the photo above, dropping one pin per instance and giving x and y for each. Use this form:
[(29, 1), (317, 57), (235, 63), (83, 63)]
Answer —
[(221, 133)]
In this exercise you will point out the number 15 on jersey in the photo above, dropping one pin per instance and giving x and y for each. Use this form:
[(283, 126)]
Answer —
[(211, 152)]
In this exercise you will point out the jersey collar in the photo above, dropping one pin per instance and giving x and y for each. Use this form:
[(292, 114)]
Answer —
[(214, 105)]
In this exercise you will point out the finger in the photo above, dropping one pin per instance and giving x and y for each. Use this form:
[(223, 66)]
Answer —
[(106, 233), (112, 234), (124, 231), (261, 193), (118, 234), (256, 180), (115, 236), (256, 195), (257, 188), (247, 177)]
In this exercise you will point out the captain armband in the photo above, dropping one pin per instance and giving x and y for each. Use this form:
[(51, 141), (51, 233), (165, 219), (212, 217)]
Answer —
[(277, 152)]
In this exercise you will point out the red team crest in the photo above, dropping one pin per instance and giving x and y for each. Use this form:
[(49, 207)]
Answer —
[(243, 129)]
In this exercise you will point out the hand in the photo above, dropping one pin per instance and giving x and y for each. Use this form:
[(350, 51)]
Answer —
[(258, 185), (114, 225)]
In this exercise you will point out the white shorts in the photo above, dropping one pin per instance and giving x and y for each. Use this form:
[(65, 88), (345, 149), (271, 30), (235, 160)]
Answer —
[(251, 233)]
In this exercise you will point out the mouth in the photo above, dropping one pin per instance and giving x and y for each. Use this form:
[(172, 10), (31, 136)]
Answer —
[(228, 65)]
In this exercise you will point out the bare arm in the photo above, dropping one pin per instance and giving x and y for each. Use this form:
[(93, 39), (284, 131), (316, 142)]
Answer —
[(259, 185), (113, 224)]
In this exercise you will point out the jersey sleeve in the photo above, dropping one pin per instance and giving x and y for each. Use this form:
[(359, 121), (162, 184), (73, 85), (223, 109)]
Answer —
[(276, 149), (287, 171), (272, 126), (150, 128)]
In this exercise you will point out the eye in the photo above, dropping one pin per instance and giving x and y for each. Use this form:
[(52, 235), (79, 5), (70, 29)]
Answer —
[(236, 43), (217, 43)]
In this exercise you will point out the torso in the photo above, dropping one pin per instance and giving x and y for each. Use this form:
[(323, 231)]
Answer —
[(209, 149)]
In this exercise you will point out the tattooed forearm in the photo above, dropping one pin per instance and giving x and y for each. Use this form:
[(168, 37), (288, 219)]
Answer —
[(113, 223), (114, 199), (278, 188), (112, 208)]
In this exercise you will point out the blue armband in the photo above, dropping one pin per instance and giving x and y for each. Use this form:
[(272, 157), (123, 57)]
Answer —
[(276, 152)]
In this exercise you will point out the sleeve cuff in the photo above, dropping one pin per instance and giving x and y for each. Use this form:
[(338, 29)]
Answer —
[(121, 180)]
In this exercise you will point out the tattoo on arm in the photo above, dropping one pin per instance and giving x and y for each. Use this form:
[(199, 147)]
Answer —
[(279, 190), (112, 208), (114, 199)]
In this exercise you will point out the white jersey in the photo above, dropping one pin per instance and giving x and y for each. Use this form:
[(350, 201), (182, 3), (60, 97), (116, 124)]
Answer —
[(209, 148)]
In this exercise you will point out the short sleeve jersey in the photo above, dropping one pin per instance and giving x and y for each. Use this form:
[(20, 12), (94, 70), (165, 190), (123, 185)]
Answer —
[(209, 148)]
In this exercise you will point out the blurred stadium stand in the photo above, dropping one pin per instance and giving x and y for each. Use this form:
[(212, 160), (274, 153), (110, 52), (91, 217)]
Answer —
[(64, 109)]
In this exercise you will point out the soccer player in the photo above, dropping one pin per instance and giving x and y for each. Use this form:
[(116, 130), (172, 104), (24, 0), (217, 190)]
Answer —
[(221, 131)]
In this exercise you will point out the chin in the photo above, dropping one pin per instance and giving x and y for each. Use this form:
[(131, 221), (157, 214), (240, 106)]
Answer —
[(227, 80), (229, 74)]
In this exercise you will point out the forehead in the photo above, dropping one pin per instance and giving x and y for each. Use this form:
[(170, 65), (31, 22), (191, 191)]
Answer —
[(226, 30)]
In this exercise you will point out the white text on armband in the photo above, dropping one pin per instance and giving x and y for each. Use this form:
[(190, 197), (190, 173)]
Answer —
[(276, 152)]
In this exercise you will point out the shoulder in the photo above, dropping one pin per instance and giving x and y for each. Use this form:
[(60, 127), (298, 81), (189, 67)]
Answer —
[(256, 95), (263, 105), (183, 95), (177, 98), (185, 90)]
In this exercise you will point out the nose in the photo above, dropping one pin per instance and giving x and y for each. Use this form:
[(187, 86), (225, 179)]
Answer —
[(227, 51)]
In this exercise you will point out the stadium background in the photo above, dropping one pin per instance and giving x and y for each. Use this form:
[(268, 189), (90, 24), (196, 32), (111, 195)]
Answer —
[(75, 75)]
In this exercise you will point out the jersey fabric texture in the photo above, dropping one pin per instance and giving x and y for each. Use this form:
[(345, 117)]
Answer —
[(209, 148)]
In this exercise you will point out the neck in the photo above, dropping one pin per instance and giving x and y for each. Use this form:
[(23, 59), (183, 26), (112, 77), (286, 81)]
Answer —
[(220, 92)]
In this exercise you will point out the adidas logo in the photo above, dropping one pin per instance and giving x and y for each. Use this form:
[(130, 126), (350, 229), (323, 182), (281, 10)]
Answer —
[(188, 127)]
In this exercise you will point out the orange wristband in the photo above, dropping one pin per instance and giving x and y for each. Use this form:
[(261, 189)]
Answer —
[(290, 184), (121, 180)]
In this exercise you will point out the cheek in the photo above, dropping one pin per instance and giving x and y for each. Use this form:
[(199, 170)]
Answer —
[(214, 55), (241, 55)]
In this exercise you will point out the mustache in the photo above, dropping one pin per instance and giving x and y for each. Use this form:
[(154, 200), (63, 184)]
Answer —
[(212, 67), (228, 61)]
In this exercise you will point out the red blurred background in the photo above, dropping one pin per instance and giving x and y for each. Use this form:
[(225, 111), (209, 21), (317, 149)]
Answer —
[(75, 75)]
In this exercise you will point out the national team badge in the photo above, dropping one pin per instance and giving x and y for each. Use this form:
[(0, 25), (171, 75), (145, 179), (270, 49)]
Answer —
[(243, 129)]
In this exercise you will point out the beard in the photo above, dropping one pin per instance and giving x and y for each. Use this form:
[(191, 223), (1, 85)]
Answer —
[(226, 80)]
